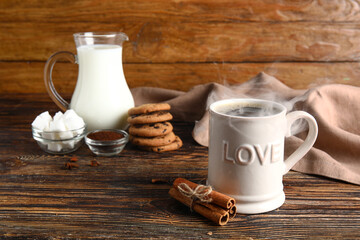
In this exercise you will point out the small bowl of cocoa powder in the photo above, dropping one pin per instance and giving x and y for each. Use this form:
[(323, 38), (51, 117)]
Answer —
[(106, 142)]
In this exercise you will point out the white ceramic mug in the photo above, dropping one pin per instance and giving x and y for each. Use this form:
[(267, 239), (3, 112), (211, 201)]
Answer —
[(246, 153)]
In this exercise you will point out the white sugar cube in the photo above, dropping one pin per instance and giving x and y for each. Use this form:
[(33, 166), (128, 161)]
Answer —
[(74, 123), (49, 135), (66, 135), (58, 125), (58, 116), (54, 147), (46, 116), (70, 114), (69, 144), (72, 120), (40, 123)]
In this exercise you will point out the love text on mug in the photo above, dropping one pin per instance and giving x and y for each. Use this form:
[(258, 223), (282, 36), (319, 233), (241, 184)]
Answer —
[(245, 154)]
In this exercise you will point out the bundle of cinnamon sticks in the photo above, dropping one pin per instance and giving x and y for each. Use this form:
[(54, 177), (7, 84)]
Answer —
[(215, 206)]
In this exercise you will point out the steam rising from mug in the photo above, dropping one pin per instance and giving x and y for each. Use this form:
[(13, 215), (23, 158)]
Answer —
[(264, 94)]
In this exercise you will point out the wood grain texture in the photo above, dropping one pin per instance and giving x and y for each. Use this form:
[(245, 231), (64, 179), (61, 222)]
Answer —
[(191, 42), (187, 31), (179, 10), (174, 42), (20, 77), (117, 200)]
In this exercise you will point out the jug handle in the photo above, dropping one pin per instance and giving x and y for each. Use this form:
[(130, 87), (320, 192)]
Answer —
[(50, 88)]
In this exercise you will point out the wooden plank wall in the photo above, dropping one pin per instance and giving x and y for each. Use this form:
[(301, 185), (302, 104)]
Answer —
[(177, 44)]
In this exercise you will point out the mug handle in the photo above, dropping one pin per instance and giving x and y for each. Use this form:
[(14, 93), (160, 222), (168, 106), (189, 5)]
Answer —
[(309, 141), (54, 95)]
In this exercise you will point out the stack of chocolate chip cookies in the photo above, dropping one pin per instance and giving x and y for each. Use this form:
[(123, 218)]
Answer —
[(150, 128)]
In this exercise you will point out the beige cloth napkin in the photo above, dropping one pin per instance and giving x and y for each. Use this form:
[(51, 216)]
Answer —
[(336, 153)]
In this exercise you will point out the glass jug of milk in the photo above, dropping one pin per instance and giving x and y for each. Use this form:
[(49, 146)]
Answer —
[(102, 96)]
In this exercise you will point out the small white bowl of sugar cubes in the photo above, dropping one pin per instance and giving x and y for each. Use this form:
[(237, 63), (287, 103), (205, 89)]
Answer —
[(60, 134)]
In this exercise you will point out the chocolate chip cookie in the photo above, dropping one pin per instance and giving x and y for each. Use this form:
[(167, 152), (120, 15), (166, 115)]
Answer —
[(152, 117), (148, 108), (153, 141), (170, 147), (151, 130)]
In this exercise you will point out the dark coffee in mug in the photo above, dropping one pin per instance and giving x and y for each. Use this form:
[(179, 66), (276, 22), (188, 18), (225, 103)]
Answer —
[(248, 110)]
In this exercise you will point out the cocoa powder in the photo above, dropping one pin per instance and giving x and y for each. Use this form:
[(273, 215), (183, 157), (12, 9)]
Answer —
[(105, 136)]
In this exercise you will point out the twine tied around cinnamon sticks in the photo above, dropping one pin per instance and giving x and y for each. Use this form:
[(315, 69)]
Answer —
[(213, 205), (201, 192)]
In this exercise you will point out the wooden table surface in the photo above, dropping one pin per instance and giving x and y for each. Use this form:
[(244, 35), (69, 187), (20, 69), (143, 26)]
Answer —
[(39, 199)]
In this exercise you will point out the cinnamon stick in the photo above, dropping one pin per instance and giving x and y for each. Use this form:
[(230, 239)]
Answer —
[(232, 212), (211, 212), (219, 199)]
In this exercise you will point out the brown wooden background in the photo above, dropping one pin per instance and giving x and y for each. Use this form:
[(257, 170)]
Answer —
[(181, 43)]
